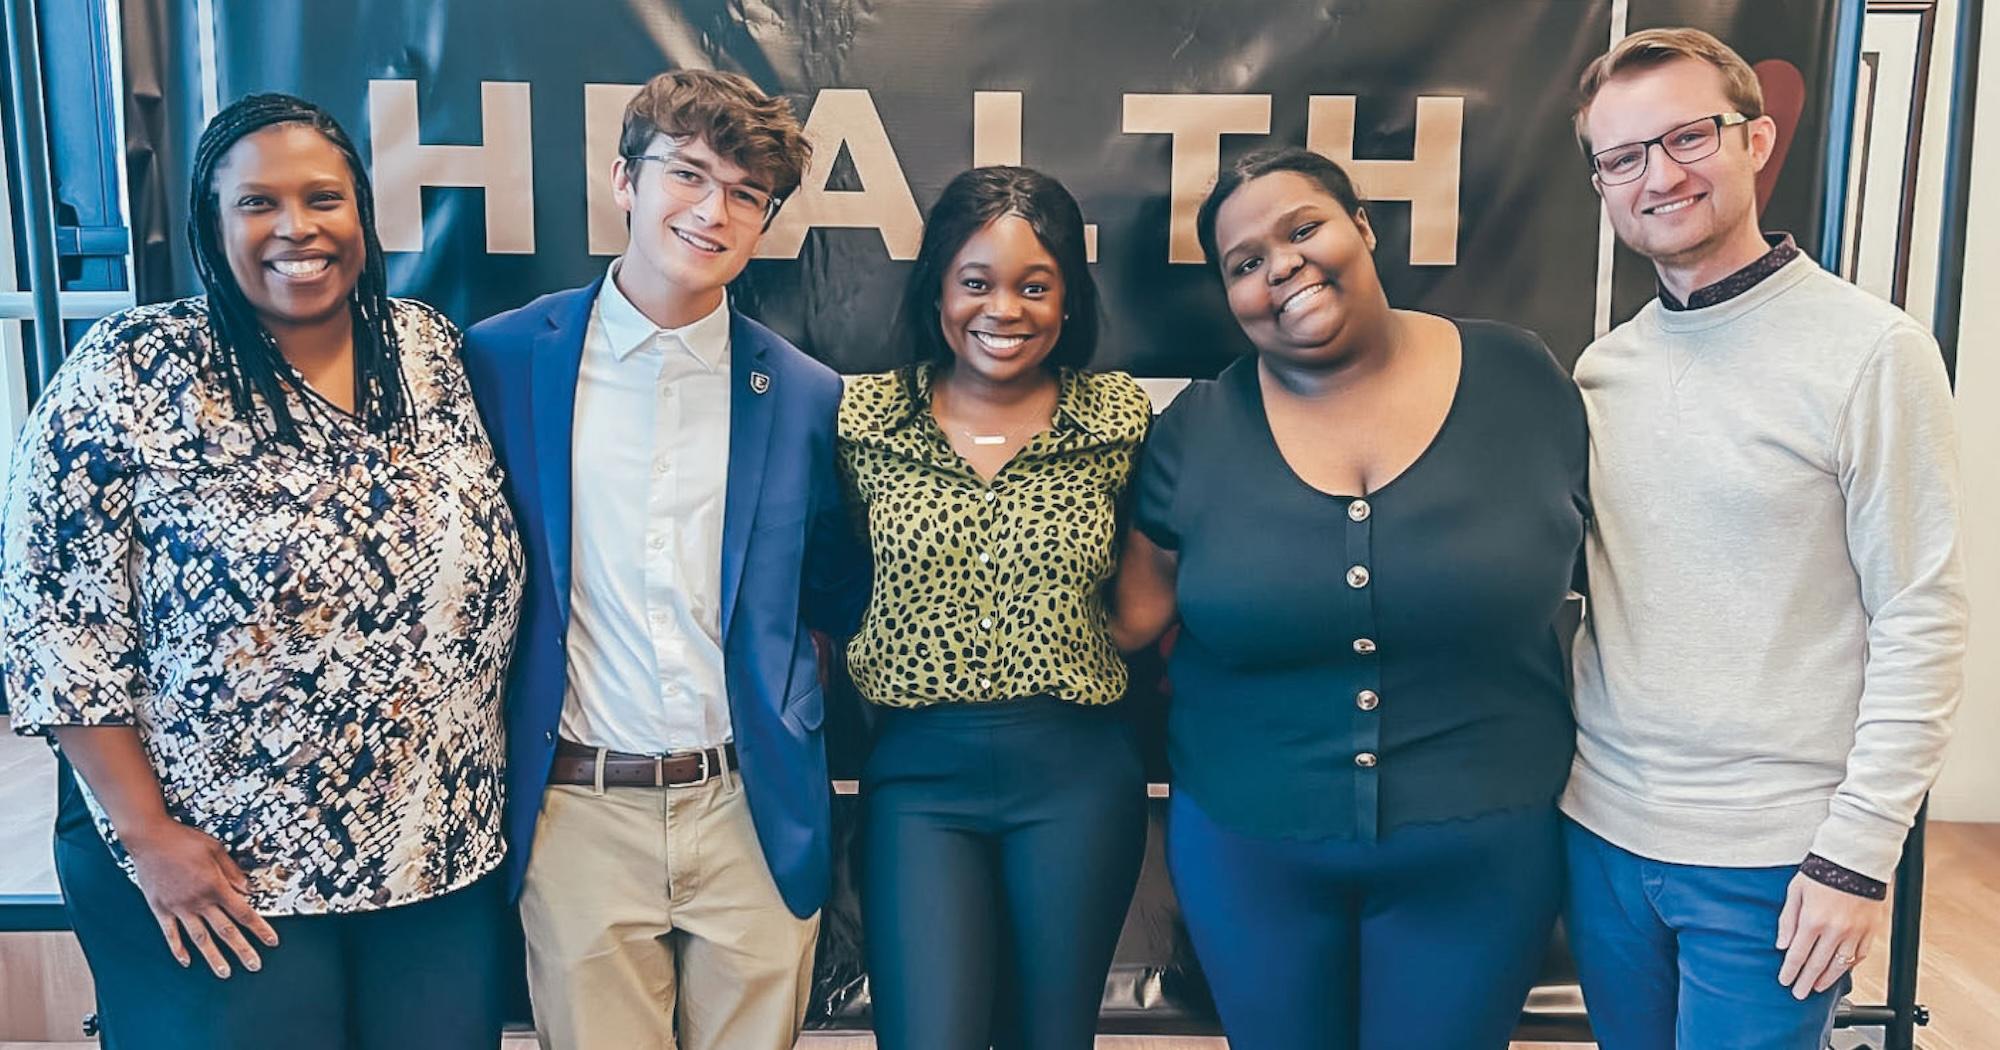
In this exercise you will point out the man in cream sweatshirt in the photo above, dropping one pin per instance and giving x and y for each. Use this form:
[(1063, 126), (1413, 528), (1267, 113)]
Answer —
[(1776, 615)]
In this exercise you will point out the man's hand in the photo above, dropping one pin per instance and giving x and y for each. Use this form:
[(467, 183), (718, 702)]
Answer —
[(1823, 932)]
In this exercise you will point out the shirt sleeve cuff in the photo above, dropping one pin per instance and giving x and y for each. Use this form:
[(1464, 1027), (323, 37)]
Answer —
[(1860, 841), (1827, 873)]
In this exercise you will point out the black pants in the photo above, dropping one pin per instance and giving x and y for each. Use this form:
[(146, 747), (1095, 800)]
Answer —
[(420, 975), (1001, 843)]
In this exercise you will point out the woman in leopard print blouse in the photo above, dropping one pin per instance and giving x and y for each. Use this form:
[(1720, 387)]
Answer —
[(989, 476), (260, 586)]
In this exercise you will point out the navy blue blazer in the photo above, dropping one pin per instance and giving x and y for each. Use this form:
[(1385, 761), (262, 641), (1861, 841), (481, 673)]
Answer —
[(789, 560)]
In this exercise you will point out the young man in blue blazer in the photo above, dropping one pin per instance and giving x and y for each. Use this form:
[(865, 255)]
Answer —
[(671, 463)]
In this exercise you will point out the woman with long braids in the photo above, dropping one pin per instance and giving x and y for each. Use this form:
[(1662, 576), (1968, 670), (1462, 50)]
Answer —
[(259, 586)]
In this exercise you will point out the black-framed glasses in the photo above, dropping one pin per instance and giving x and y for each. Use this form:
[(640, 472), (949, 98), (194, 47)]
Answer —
[(691, 185), (1692, 141)]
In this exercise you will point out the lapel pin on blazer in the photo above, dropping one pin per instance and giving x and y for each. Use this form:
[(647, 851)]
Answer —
[(759, 382)]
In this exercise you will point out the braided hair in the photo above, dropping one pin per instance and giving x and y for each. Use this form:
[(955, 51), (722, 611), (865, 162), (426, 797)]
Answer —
[(243, 355)]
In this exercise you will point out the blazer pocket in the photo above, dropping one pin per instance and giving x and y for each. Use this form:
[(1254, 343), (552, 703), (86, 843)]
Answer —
[(807, 709)]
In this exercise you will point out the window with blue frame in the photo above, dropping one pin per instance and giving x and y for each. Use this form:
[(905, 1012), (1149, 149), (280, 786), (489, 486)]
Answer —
[(80, 81)]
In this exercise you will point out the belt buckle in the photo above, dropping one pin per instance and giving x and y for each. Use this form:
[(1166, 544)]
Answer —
[(707, 769)]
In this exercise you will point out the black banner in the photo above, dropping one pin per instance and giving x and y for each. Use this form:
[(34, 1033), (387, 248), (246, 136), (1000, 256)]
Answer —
[(1462, 106)]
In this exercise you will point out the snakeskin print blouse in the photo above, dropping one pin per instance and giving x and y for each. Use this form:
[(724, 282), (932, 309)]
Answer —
[(310, 640)]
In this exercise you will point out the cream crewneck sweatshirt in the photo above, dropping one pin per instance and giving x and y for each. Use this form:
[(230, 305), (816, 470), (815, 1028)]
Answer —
[(1776, 617)]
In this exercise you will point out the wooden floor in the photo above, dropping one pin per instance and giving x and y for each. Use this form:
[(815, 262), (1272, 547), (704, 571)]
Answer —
[(45, 989)]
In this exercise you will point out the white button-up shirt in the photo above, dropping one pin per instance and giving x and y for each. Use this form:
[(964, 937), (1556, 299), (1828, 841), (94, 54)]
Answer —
[(650, 469)]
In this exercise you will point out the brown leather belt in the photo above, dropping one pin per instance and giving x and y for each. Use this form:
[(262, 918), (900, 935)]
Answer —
[(577, 764)]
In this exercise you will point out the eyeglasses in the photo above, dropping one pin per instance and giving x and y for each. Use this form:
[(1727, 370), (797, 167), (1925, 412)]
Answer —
[(1692, 141), (692, 185)]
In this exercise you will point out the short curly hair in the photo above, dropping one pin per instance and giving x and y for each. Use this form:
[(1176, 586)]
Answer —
[(731, 114)]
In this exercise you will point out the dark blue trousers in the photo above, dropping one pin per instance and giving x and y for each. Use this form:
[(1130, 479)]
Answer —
[(1428, 939), (1000, 846), (420, 975)]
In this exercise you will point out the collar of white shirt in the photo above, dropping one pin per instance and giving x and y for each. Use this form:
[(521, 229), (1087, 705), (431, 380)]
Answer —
[(627, 329)]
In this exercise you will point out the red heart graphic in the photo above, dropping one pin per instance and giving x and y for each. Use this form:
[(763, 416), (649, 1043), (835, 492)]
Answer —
[(1784, 99)]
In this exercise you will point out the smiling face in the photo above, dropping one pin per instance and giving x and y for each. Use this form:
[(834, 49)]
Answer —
[(685, 250), (1001, 307), (289, 226), (1296, 267), (1679, 214)]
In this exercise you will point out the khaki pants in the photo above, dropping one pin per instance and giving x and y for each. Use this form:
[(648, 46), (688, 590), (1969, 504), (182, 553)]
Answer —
[(653, 924)]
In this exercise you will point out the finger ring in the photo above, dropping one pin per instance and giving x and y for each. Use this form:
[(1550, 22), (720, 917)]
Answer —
[(1844, 960)]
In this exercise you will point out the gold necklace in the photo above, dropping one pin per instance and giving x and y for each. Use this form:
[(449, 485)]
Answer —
[(1005, 437)]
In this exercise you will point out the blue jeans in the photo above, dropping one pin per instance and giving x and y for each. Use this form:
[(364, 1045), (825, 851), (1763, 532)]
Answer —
[(1676, 955), (1427, 939)]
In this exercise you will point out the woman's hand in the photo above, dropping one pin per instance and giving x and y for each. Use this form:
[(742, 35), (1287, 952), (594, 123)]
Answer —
[(190, 882), (195, 888)]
